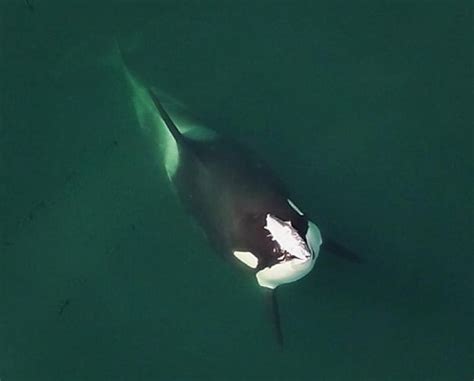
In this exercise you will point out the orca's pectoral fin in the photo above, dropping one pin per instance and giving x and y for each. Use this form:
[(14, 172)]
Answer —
[(274, 314), (342, 251)]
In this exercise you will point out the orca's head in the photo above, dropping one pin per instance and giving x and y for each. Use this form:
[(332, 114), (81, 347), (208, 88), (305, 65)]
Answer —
[(283, 246)]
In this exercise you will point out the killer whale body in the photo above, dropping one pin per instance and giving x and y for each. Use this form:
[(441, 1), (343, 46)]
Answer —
[(241, 205), (231, 192), (244, 209)]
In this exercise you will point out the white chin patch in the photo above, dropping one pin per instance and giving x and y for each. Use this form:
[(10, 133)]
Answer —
[(284, 272), (295, 207), (246, 257), (293, 269)]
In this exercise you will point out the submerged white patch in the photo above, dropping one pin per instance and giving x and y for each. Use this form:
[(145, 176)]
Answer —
[(166, 150), (295, 207), (196, 131), (170, 148), (170, 151), (246, 257), (152, 124), (188, 129), (314, 239), (295, 268)]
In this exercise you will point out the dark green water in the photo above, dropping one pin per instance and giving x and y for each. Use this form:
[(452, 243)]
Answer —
[(363, 108)]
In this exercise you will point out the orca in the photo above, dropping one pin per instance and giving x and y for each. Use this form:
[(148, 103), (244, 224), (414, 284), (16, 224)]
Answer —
[(244, 209)]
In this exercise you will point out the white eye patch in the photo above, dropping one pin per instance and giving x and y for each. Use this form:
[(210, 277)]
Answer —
[(246, 257)]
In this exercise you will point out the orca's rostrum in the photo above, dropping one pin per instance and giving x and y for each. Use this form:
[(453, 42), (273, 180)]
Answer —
[(243, 208)]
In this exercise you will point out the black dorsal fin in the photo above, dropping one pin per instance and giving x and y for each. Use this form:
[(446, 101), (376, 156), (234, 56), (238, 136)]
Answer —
[(173, 129)]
